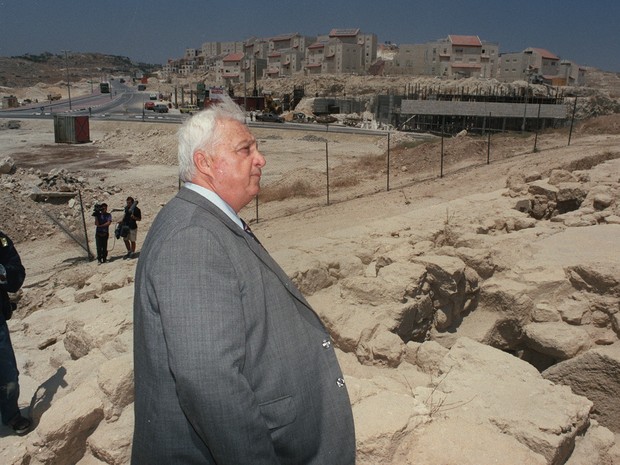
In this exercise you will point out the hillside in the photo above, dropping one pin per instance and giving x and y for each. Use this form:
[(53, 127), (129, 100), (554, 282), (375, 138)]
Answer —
[(47, 68), (34, 76)]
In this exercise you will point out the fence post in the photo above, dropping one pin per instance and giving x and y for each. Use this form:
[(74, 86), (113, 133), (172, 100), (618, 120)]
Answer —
[(327, 168), (489, 142), (443, 124), (572, 120), (90, 255), (256, 202), (388, 162), (537, 127)]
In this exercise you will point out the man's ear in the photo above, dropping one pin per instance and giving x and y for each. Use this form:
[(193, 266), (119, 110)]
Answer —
[(203, 162)]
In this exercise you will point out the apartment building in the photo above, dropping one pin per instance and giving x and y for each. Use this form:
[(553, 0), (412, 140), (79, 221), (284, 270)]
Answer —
[(528, 63), (293, 41), (368, 43), (258, 48), (315, 55), (539, 65), (284, 62), (286, 54), (456, 56), (214, 49), (572, 74), (342, 51), (230, 69)]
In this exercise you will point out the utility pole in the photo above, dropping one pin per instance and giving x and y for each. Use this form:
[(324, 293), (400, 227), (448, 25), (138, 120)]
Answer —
[(68, 81)]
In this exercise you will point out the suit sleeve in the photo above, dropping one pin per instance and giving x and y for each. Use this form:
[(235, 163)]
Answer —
[(199, 297)]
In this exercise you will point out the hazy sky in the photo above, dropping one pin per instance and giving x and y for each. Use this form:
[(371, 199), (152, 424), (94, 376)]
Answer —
[(152, 31)]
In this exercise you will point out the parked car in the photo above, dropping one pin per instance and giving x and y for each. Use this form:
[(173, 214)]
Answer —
[(326, 119), (160, 108), (269, 117), (189, 109), (149, 105)]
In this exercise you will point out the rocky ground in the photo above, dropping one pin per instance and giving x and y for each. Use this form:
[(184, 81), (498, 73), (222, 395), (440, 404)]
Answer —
[(476, 315)]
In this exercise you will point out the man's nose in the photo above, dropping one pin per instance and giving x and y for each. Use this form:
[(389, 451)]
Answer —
[(261, 161)]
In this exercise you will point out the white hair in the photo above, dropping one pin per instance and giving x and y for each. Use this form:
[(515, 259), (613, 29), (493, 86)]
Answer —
[(201, 132)]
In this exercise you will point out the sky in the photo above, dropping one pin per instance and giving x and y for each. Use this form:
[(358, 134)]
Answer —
[(153, 31)]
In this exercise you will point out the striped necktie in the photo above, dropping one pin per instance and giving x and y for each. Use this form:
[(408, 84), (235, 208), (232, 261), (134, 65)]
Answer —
[(247, 229)]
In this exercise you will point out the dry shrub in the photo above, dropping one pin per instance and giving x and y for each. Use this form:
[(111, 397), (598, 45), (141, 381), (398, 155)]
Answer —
[(345, 181), (371, 162), (297, 188)]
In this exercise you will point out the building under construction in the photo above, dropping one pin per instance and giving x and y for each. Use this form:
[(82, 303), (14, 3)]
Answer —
[(425, 110)]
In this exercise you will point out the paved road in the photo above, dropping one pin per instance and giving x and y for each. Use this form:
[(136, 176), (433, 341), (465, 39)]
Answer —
[(126, 103)]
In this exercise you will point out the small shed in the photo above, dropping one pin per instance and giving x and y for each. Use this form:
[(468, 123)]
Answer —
[(10, 102), (69, 129)]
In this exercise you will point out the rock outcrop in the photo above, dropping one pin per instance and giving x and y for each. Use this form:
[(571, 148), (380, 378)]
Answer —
[(491, 335)]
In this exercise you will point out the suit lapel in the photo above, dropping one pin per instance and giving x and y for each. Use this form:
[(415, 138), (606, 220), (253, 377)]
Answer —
[(258, 250)]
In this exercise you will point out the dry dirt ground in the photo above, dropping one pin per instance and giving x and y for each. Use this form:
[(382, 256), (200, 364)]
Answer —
[(138, 159)]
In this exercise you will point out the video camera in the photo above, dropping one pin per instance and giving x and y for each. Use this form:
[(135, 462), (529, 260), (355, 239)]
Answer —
[(97, 209)]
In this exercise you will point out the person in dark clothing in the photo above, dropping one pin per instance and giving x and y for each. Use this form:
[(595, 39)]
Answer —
[(12, 275), (103, 220), (132, 216)]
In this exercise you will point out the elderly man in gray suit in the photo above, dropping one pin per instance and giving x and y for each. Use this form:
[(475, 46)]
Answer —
[(232, 365)]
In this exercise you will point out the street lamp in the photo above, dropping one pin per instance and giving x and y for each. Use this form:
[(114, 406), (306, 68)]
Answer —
[(68, 82)]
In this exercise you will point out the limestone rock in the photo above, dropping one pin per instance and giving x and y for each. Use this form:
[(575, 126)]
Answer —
[(63, 429), (111, 441), (594, 373), (558, 340), (559, 176), (456, 441), (513, 402), (115, 379), (381, 418), (380, 346)]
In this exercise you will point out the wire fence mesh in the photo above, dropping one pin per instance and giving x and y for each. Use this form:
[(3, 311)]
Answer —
[(313, 169)]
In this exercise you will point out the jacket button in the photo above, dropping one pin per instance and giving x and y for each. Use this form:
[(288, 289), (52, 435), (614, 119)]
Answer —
[(340, 382), (326, 343)]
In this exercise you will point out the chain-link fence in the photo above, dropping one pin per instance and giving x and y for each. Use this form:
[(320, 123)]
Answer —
[(308, 168), (318, 169)]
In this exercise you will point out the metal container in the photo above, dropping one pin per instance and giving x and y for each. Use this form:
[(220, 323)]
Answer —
[(71, 129)]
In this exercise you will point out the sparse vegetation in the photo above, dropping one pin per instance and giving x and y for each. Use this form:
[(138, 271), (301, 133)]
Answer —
[(286, 191), (448, 235)]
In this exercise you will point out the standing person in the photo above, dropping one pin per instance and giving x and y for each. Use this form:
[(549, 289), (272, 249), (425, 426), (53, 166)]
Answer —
[(132, 216), (232, 365), (103, 220), (12, 275)]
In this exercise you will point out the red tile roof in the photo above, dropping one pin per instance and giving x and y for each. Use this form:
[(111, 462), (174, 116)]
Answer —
[(234, 57), (543, 53), (466, 41)]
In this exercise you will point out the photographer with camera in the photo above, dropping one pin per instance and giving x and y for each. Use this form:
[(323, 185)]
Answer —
[(12, 275), (128, 227), (103, 220)]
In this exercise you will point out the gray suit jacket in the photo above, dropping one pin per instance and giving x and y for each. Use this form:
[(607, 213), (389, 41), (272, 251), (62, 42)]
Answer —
[(232, 366)]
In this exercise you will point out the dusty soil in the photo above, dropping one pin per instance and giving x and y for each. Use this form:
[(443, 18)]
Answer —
[(138, 159)]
